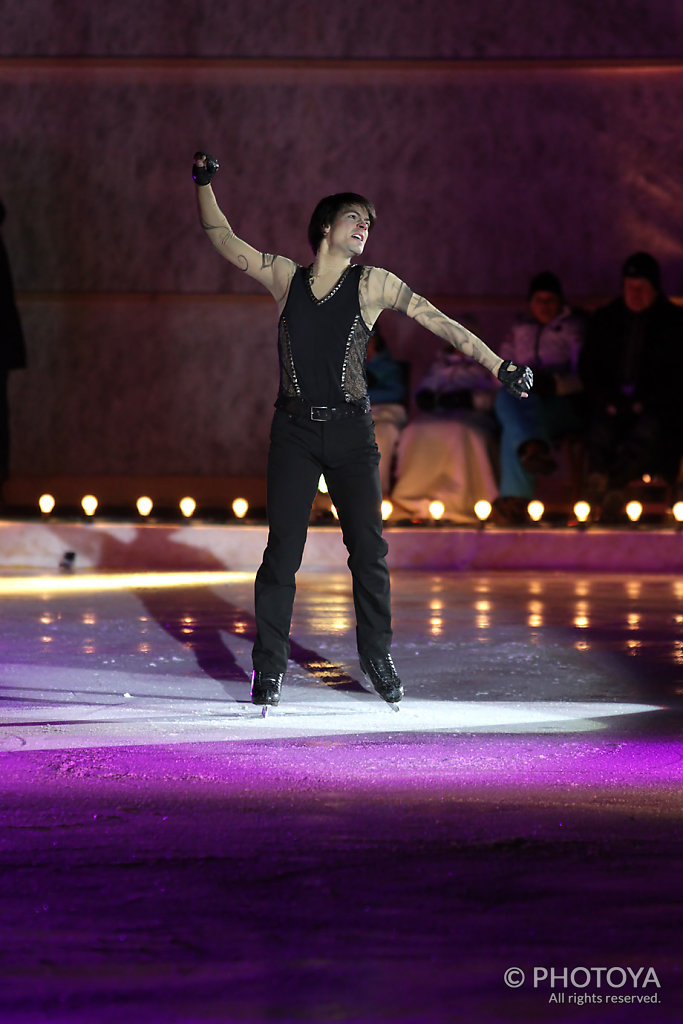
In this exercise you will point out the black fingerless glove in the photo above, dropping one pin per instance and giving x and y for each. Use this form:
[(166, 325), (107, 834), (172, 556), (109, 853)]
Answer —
[(203, 175), (518, 380)]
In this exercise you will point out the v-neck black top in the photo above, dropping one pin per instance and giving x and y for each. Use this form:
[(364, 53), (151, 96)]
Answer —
[(323, 342)]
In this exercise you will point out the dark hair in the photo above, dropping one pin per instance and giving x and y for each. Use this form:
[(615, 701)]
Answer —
[(546, 281), (329, 208), (643, 264)]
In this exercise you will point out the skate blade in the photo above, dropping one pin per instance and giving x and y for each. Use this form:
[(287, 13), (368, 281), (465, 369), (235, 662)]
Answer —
[(264, 711)]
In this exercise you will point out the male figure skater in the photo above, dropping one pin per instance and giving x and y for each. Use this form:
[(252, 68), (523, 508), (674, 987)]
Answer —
[(322, 422)]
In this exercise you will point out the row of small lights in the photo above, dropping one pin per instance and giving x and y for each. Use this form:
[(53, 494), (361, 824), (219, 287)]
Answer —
[(582, 510), (144, 505), (437, 509), (535, 509)]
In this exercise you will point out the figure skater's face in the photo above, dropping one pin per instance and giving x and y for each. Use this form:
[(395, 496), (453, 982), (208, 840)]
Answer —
[(349, 231)]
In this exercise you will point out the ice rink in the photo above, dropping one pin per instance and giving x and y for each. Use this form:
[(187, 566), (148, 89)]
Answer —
[(168, 855)]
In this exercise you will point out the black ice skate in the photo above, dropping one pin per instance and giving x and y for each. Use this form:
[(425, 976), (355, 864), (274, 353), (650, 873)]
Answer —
[(265, 689), (382, 674)]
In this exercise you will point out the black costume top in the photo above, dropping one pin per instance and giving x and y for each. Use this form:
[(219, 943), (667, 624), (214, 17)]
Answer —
[(323, 343)]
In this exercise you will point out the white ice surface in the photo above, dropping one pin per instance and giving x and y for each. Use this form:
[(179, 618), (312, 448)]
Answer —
[(79, 708)]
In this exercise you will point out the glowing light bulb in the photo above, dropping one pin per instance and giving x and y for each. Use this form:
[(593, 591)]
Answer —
[(634, 511), (187, 507), (89, 504), (678, 511), (46, 503), (482, 510), (387, 509), (144, 506), (436, 509), (535, 510), (240, 507), (322, 485), (582, 510)]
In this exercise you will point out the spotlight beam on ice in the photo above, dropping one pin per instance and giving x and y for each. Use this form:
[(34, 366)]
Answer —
[(13, 586), (148, 718)]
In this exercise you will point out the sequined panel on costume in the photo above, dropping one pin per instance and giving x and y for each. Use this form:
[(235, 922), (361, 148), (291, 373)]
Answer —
[(289, 384), (353, 379)]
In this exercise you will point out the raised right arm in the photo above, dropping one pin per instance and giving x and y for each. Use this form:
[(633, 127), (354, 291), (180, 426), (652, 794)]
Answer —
[(273, 272)]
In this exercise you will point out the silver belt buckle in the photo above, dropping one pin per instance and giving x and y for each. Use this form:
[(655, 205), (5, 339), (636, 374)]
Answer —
[(320, 409)]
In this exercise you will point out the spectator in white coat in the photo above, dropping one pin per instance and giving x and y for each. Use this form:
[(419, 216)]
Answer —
[(548, 337)]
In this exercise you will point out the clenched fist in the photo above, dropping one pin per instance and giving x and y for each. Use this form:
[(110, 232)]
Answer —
[(204, 168)]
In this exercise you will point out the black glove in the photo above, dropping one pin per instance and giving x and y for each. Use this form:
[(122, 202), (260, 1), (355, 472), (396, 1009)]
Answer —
[(203, 175), (518, 380)]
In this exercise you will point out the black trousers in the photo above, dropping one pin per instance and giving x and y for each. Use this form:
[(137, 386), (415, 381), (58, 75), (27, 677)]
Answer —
[(346, 452)]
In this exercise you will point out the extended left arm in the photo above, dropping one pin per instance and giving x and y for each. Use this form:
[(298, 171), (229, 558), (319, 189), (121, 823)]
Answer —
[(381, 289)]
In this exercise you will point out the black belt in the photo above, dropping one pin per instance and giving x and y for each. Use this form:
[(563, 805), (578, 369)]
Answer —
[(321, 413)]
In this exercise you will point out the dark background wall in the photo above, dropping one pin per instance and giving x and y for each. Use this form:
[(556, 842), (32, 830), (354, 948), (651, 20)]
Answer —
[(497, 138)]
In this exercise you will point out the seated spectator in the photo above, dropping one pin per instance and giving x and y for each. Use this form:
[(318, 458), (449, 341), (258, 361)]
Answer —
[(443, 454), (631, 366), (387, 393), (547, 337), (455, 384)]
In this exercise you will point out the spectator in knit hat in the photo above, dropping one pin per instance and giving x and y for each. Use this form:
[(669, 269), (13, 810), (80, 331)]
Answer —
[(547, 337), (632, 366)]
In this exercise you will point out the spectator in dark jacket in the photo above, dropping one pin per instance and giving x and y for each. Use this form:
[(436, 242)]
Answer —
[(631, 365), (12, 351)]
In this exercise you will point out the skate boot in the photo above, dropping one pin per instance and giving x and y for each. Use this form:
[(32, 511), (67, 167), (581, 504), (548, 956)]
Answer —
[(382, 674), (265, 688)]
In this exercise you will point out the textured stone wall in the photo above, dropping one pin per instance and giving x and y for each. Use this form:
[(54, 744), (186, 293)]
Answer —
[(343, 28), (496, 138)]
